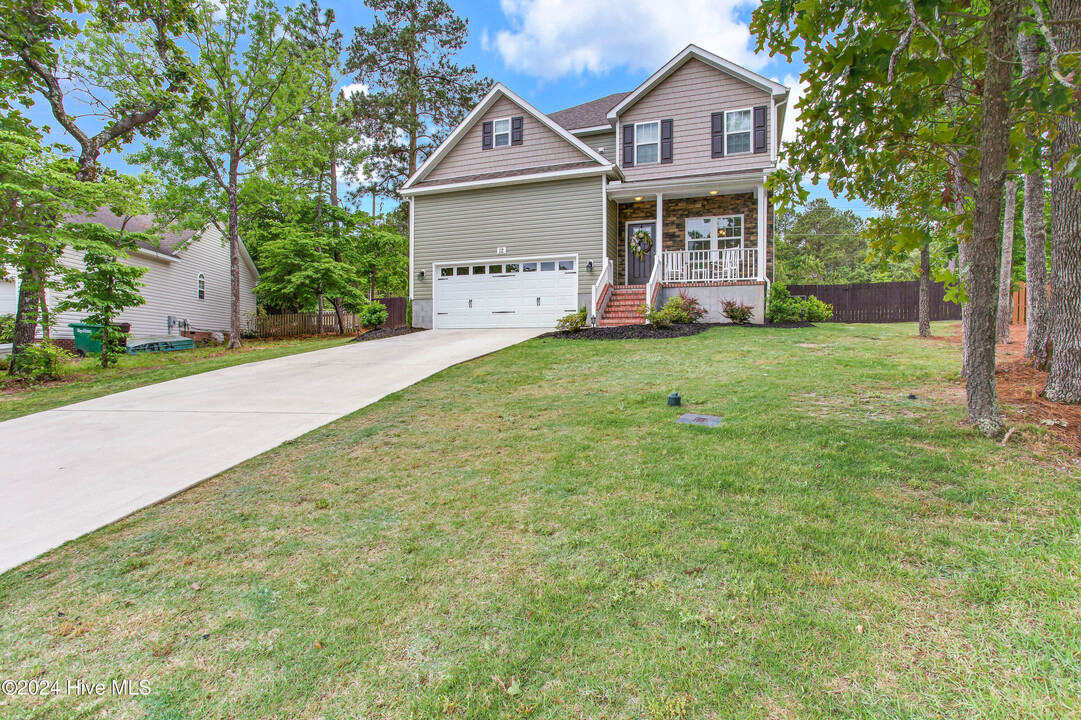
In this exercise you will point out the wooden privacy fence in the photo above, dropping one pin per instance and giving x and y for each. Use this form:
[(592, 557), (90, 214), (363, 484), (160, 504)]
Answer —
[(880, 302), (1020, 304), (298, 324)]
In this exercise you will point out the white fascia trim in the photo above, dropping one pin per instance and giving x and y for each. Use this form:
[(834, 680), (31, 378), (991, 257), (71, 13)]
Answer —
[(498, 91), (592, 130), (156, 255), (515, 180), (716, 61)]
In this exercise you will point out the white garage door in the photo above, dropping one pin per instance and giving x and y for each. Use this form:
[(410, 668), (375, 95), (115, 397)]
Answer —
[(519, 293)]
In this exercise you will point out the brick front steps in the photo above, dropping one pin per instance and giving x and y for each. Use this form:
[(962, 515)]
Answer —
[(622, 308)]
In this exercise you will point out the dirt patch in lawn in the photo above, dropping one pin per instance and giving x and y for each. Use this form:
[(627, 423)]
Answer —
[(648, 332), (380, 333), (1020, 387)]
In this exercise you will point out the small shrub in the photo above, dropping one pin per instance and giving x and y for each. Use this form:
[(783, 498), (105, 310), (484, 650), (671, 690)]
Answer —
[(573, 322), (817, 311), (7, 328), (373, 315), (736, 311), (681, 309), (40, 362), (783, 308)]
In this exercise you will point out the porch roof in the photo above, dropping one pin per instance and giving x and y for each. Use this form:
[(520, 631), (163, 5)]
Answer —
[(726, 183)]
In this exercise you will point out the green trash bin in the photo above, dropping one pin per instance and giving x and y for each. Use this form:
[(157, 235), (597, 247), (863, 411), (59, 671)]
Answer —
[(84, 344)]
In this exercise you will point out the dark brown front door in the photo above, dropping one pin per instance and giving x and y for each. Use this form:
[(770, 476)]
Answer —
[(640, 264)]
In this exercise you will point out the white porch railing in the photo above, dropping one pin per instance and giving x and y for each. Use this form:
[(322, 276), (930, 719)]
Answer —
[(710, 265), (605, 278)]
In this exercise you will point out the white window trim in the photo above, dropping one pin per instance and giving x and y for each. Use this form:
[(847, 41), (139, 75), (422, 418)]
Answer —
[(200, 287), (713, 231), (750, 133), (496, 134), (657, 142), (627, 244)]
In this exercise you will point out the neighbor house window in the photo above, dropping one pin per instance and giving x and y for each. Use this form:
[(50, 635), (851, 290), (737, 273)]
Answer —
[(714, 233), (647, 142), (501, 131), (737, 131), (200, 287)]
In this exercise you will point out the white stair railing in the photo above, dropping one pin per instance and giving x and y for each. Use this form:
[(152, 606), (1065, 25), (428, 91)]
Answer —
[(604, 280), (654, 281)]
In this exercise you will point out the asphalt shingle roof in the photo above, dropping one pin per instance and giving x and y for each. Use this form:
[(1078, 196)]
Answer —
[(138, 223), (590, 114)]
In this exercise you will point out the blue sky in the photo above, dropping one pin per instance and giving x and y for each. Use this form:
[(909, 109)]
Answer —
[(558, 53)]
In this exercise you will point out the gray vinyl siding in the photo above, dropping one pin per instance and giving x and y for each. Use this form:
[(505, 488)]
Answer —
[(169, 288), (540, 148), (611, 237), (689, 97), (602, 142), (560, 217)]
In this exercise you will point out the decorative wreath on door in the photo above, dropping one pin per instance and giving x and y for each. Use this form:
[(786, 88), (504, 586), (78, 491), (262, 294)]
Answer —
[(641, 243)]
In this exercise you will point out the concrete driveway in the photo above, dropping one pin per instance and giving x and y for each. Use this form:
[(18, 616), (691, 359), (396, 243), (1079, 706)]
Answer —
[(68, 471)]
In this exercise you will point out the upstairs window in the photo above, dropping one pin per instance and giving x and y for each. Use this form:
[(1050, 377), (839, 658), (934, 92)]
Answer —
[(737, 127), (501, 132), (647, 142), (200, 287)]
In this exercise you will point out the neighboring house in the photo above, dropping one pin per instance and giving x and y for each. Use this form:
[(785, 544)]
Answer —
[(519, 218), (187, 279)]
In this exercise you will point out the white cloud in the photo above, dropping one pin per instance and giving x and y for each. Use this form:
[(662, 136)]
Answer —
[(353, 88), (792, 119), (553, 38)]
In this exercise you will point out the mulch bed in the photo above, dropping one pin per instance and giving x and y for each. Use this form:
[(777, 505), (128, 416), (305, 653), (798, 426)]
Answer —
[(381, 333), (648, 332), (1019, 387)]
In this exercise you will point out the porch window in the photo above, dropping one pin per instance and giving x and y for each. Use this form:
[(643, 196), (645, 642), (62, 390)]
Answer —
[(501, 132), (714, 233), (737, 131), (647, 143)]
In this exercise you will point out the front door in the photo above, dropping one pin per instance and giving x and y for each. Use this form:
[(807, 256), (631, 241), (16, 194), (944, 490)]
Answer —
[(641, 249)]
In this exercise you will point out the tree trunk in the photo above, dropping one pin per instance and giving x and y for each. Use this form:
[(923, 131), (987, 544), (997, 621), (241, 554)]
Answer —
[(1005, 277), (26, 318), (234, 255), (1037, 319), (984, 255), (1064, 378), (925, 291), (953, 96), (337, 301), (319, 320)]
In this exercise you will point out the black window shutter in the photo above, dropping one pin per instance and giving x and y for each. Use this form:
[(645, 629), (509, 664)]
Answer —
[(760, 116), (666, 141), (628, 145), (717, 134), (516, 130), (486, 136)]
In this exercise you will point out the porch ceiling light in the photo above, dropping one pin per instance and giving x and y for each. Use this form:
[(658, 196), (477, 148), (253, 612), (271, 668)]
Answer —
[(638, 199), (712, 192)]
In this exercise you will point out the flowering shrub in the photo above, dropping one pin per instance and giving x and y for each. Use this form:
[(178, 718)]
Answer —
[(736, 311)]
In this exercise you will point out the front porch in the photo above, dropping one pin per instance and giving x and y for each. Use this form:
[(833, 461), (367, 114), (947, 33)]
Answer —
[(704, 242)]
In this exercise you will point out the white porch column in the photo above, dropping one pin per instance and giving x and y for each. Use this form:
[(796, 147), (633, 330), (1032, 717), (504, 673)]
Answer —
[(763, 209), (658, 241)]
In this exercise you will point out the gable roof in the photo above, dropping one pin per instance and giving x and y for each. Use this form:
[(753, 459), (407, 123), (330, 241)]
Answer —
[(169, 244), (589, 114), (696, 53), (499, 90)]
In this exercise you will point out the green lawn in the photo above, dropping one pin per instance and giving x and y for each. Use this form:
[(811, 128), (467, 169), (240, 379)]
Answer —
[(85, 379), (530, 534)]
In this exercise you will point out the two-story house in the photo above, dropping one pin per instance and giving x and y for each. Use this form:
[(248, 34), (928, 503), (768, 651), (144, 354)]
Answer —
[(520, 218)]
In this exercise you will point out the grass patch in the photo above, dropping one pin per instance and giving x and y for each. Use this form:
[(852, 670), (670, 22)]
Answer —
[(532, 535), (84, 379)]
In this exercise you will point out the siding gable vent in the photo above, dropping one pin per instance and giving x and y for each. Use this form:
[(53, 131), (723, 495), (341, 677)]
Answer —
[(486, 136), (761, 113), (516, 130), (716, 135), (628, 145)]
